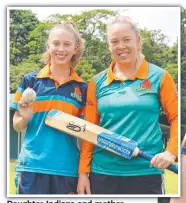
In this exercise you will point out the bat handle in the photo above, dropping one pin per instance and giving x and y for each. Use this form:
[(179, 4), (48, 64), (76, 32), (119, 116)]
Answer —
[(147, 156)]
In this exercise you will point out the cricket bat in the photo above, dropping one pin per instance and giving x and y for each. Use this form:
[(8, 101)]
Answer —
[(97, 135)]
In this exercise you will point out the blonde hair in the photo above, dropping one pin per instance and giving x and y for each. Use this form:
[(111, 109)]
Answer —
[(125, 20), (70, 27)]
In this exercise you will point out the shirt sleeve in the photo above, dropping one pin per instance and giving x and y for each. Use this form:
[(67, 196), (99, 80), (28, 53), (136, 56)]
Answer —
[(23, 85), (169, 102), (91, 115)]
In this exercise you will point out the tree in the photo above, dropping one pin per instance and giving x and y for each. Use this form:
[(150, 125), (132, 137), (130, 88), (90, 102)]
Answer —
[(21, 23), (96, 58), (37, 40), (85, 70), (17, 73), (156, 50), (92, 25)]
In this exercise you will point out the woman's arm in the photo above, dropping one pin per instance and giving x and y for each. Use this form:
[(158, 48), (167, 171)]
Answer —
[(169, 101), (91, 115), (23, 115)]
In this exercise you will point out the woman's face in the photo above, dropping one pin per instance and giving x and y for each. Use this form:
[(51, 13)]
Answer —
[(123, 43), (61, 46)]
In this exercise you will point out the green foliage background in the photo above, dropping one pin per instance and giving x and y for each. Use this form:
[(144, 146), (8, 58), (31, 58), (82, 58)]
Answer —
[(28, 38)]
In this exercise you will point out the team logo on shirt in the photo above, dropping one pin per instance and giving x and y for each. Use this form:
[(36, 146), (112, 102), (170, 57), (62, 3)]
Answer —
[(145, 86), (77, 94)]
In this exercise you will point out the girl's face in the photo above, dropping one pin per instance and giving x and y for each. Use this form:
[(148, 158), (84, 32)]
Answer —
[(123, 43), (61, 47)]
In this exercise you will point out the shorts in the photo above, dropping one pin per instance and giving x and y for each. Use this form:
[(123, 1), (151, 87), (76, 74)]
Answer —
[(37, 183), (106, 184)]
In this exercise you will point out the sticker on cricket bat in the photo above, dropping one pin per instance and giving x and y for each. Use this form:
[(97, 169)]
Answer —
[(76, 128), (54, 113), (115, 143)]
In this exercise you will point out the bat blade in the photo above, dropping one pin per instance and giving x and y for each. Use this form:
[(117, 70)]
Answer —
[(92, 133)]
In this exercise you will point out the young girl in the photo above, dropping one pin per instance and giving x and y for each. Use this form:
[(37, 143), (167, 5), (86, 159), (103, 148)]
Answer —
[(126, 99), (48, 161)]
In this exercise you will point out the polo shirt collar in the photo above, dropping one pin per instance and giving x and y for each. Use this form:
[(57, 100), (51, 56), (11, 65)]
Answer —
[(142, 72), (46, 73)]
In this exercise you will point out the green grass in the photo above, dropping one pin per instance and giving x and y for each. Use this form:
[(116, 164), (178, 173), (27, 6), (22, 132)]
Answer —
[(12, 175), (171, 181)]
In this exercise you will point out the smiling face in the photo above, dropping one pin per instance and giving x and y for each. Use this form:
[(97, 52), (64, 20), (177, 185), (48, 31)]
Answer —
[(61, 46), (123, 43)]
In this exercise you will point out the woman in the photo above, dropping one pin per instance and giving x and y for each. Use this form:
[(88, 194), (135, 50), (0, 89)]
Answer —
[(48, 161), (126, 99)]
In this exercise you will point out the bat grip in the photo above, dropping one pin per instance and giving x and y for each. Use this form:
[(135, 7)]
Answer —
[(147, 156)]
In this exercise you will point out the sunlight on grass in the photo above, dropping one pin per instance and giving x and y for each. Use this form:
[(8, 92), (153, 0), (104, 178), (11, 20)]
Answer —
[(171, 181), (12, 175)]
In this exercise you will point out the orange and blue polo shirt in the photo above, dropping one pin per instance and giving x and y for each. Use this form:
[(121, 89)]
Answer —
[(130, 108), (44, 149)]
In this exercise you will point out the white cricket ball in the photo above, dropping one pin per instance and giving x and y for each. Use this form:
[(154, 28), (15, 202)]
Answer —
[(29, 95)]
